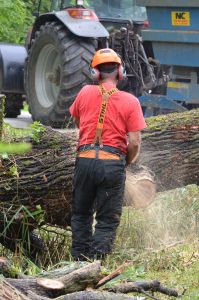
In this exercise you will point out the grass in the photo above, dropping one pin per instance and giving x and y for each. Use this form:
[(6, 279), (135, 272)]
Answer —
[(158, 243), (10, 134), (176, 268), (162, 242), (25, 107)]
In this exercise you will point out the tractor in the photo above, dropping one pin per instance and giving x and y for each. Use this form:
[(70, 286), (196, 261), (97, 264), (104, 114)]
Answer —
[(54, 64)]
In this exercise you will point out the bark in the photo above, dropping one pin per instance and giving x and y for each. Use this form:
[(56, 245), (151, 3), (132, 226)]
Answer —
[(80, 279), (142, 287), (24, 285), (112, 275), (97, 295), (5, 266), (170, 148), (8, 292), (45, 178), (88, 295), (59, 272)]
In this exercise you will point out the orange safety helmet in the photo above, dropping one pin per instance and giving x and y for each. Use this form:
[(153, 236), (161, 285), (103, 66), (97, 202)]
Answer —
[(105, 55)]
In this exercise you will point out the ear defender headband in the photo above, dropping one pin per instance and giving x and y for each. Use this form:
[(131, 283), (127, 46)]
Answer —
[(96, 75)]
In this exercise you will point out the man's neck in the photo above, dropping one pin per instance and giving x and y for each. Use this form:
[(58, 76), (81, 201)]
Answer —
[(111, 81)]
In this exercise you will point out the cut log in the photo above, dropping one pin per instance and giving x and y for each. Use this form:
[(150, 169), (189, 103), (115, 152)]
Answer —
[(24, 285), (140, 187), (142, 287), (96, 295), (80, 279), (50, 284), (8, 292), (77, 280), (88, 295), (62, 271)]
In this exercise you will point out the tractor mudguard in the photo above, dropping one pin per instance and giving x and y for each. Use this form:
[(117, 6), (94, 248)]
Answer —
[(79, 27), (12, 59)]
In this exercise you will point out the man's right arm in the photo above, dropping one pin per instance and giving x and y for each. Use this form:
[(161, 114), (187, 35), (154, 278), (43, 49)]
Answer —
[(133, 146), (76, 121)]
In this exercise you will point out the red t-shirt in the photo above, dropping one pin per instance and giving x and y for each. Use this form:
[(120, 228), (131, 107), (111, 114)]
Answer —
[(123, 115)]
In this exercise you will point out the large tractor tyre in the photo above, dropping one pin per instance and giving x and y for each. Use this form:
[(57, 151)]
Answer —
[(13, 105), (56, 70)]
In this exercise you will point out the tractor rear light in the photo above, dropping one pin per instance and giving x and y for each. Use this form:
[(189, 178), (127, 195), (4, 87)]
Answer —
[(146, 23), (82, 13)]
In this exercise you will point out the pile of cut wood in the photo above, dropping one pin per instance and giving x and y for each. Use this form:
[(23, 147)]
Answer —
[(77, 281)]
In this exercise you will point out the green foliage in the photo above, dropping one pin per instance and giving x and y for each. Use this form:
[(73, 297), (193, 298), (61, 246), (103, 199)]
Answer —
[(17, 17), (14, 148), (14, 20), (187, 119), (10, 134), (38, 129), (13, 171)]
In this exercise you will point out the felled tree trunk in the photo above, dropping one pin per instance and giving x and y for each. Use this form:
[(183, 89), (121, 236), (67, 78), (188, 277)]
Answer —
[(44, 177), (89, 295), (170, 149)]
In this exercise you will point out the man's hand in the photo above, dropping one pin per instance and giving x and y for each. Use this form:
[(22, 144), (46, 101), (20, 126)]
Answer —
[(133, 147)]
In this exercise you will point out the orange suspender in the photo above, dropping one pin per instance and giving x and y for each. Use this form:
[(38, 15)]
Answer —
[(102, 113)]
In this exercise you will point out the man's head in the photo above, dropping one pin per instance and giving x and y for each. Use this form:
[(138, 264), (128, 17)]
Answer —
[(107, 64)]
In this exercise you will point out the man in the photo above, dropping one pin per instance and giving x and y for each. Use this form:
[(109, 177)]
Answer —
[(105, 117)]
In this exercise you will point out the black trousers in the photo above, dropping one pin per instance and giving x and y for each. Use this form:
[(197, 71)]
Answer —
[(98, 188)]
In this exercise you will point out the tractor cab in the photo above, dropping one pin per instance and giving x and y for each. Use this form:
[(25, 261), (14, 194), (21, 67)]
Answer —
[(113, 14), (126, 9), (106, 9)]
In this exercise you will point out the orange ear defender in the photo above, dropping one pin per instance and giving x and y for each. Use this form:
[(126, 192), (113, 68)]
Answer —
[(103, 56), (121, 72)]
